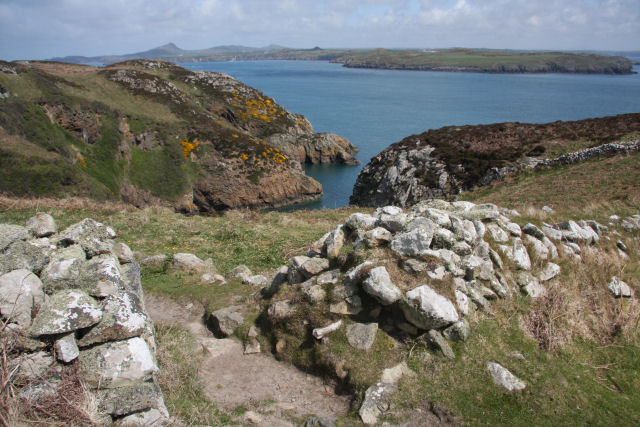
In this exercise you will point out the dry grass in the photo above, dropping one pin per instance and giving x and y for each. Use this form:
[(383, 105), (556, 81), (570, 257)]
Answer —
[(70, 403), (579, 304), (71, 203)]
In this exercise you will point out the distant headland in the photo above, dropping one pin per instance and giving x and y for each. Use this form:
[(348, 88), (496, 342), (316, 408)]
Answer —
[(455, 59)]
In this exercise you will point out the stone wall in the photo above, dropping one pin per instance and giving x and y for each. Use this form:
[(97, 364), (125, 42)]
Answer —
[(73, 300)]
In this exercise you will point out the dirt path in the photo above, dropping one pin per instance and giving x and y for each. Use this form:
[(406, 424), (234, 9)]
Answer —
[(276, 390)]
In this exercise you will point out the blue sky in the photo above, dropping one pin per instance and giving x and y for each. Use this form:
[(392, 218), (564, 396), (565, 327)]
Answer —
[(38, 29)]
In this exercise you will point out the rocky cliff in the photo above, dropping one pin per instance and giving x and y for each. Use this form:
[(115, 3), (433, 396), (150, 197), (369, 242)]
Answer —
[(74, 328), (442, 162), (150, 132)]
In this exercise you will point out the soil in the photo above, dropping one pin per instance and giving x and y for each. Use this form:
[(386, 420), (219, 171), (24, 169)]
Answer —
[(275, 391)]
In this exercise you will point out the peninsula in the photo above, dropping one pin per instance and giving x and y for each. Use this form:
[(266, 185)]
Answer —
[(456, 59)]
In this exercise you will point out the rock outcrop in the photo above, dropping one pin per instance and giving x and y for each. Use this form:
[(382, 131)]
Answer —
[(443, 162), (206, 142), (85, 310)]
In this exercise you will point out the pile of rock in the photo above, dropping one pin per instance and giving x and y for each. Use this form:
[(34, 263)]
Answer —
[(74, 299), (459, 256)]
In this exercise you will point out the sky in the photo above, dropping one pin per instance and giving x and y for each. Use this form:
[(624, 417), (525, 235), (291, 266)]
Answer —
[(40, 29)]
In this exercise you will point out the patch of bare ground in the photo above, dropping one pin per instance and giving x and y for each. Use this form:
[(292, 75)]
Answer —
[(278, 392)]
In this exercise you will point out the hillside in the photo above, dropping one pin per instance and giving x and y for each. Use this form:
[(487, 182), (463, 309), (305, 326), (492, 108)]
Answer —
[(150, 132), (456, 60), (443, 162), (574, 346)]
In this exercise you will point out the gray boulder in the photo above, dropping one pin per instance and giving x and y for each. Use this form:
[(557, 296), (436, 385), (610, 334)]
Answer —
[(66, 348), (360, 221), (534, 231), (393, 223), (550, 271), (42, 225), (66, 311), (122, 318), (154, 261), (530, 285), (427, 309), (225, 321), (378, 284), (328, 278), (435, 339), (459, 331), (412, 243), (94, 237), (377, 237), (190, 262), (117, 364), (361, 336), (125, 400), (279, 310), (376, 402), (22, 254), (10, 233), (334, 243), (619, 288), (123, 253), (21, 293), (502, 377)]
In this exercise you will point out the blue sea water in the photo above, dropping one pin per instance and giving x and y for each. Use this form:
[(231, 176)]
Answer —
[(375, 108)]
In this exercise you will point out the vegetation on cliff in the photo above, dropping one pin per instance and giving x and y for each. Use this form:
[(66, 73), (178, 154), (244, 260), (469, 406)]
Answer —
[(149, 132)]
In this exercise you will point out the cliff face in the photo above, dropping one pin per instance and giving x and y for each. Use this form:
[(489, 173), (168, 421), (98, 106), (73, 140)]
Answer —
[(440, 163), (150, 132)]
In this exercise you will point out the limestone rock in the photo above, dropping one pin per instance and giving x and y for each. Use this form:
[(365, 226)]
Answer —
[(463, 302), (66, 311), (190, 262), (21, 293), (502, 377), (619, 288), (358, 273), (117, 364), (497, 233), (154, 261), (66, 348), (539, 249), (350, 306), (255, 280), (25, 255), (94, 237), (125, 400), (42, 225), (412, 243), (334, 243), (427, 309), (394, 374), (122, 318), (314, 266), (123, 253), (295, 273), (530, 285), (328, 278), (315, 294), (459, 331), (517, 253), (549, 272), (375, 402), (10, 233), (435, 339), (378, 284), (377, 237), (225, 321), (360, 221), (361, 336)]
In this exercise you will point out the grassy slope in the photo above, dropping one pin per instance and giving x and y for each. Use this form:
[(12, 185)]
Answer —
[(580, 362)]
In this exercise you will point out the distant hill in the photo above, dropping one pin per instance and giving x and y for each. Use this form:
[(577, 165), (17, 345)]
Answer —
[(457, 59)]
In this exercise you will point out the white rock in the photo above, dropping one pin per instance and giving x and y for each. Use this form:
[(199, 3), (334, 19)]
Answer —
[(549, 272), (463, 303), (319, 333), (378, 284), (497, 233), (123, 253), (502, 377), (42, 225), (66, 348), (619, 288), (21, 292), (394, 374), (334, 243), (413, 243), (427, 309)]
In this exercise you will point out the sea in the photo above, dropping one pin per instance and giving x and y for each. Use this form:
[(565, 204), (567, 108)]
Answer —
[(375, 108)]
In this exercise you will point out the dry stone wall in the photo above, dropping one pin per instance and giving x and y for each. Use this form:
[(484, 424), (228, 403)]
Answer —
[(73, 300)]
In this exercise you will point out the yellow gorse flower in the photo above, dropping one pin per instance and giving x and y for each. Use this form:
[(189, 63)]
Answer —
[(188, 147)]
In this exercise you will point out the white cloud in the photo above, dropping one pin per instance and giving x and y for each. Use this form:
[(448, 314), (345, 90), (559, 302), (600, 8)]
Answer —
[(42, 29)]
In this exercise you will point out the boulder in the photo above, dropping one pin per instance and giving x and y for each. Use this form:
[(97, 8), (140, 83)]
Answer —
[(375, 402), (314, 266), (358, 273), (394, 374), (539, 249), (190, 262), (459, 331), (502, 377), (497, 233), (280, 309), (517, 253), (42, 225), (328, 278), (22, 254), (122, 317), (378, 284), (154, 261), (315, 294), (66, 348), (360, 221), (295, 273), (443, 239), (10, 233), (534, 231), (530, 285), (334, 243), (225, 321), (412, 243), (125, 400), (117, 364), (94, 237), (123, 253), (66, 311), (427, 309), (440, 217), (21, 294), (361, 336), (255, 280), (435, 339), (550, 271), (463, 303), (377, 237), (619, 288), (393, 223)]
